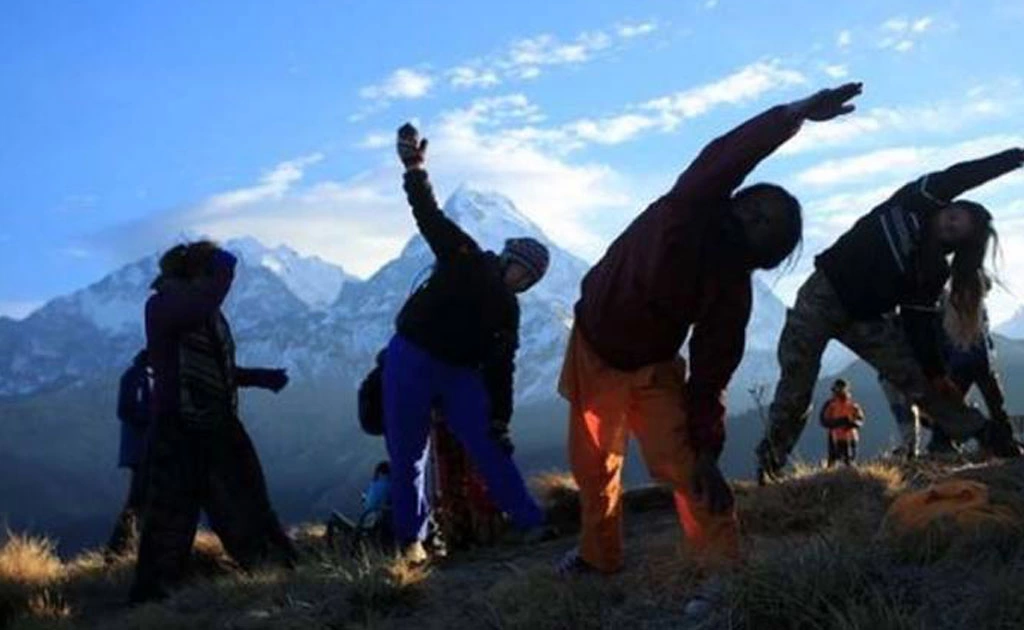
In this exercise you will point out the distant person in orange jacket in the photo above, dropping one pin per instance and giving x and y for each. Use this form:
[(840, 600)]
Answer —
[(843, 418), (684, 265)]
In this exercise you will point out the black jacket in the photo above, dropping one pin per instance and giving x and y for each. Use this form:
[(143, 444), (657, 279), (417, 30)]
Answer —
[(464, 314), (873, 267)]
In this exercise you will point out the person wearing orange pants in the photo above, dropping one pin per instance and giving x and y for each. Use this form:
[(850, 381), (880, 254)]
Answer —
[(606, 407), (683, 265)]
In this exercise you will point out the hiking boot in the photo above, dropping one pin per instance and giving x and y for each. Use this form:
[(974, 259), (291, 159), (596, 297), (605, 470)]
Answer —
[(941, 445), (573, 564), (997, 440), (415, 554), (769, 466)]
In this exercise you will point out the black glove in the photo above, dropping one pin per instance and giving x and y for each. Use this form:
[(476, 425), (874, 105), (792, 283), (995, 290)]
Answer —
[(276, 380), (411, 150)]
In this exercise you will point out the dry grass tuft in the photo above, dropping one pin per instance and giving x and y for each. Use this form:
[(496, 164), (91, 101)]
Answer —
[(29, 560), (817, 561)]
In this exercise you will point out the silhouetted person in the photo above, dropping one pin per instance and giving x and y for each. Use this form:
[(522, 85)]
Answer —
[(895, 258), (134, 410), (842, 418), (200, 457), (682, 268), (454, 349)]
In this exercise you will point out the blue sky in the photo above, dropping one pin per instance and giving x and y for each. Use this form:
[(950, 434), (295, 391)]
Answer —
[(128, 124)]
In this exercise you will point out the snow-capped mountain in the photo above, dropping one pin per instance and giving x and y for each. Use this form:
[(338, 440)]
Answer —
[(489, 218), (283, 312), (1013, 327), (312, 280)]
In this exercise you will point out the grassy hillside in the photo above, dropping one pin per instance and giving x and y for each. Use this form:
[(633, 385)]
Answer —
[(818, 559)]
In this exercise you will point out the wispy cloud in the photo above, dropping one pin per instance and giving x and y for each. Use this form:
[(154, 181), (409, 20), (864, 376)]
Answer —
[(844, 39), (836, 71), (404, 83), (901, 34), (909, 160), (664, 114), (363, 221), (470, 77), (521, 60), (988, 102), (629, 31), (273, 185)]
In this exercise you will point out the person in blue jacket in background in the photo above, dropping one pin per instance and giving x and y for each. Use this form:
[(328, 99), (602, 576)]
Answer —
[(135, 413)]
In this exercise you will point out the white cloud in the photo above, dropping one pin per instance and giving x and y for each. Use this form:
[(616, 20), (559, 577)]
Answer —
[(404, 83), (361, 222), (896, 25), (860, 167), (273, 185), (547, 50), (909, 161), (901, 33), (376, 140), (614, 130), (981, 103), (661, 115), (629, 31), (521, 60), (710, 4), (922, 25), (836, 71), (844, 39), (745, 85), (468, 77)]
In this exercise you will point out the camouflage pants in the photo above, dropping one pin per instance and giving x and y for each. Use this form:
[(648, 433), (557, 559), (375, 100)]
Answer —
[(819, 317), (219, 473)]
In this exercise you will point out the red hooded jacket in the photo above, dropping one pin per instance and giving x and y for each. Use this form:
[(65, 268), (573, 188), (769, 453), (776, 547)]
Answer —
[(668, 273)]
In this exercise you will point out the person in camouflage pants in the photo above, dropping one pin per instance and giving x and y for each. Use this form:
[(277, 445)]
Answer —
[(882, 343), (200, 457), (894, 259)]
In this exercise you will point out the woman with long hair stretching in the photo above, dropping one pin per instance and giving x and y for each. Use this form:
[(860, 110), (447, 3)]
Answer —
[(895, 257)]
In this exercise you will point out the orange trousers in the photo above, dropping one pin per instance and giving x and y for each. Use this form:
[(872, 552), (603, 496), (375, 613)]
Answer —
[(606, 405)]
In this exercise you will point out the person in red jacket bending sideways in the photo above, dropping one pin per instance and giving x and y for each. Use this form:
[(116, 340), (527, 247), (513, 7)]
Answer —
[(684, 264)]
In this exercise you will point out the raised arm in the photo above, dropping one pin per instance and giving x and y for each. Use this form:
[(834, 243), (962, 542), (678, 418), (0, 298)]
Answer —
[(723, 164), (942, 187), (445, 238), (179, 304), (264, 378)]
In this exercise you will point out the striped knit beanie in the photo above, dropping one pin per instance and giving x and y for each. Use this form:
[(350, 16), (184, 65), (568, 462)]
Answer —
[(530, 253)]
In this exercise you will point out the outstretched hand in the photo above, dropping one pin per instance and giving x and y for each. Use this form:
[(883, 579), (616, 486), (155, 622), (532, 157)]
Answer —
[(708, 484), (276, 380), (829, 103), (411, 150)]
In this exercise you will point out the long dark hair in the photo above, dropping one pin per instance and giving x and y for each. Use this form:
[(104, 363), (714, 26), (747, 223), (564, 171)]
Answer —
[(970, 281), (186, 261), (786, 246)]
